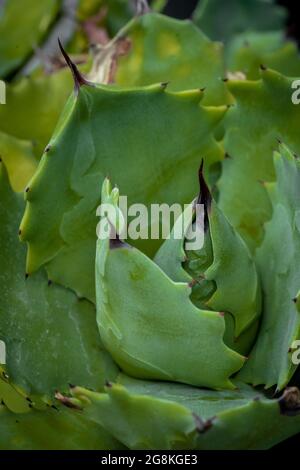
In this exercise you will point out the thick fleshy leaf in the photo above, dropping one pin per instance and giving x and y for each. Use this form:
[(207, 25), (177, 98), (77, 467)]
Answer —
[(130, 136), (21, 29), (19, 159), (33, 107), (248, 51), (164, 49), (155, 415), (249, 142), (150, 326), (16, 399), (220, 273), (53, 429), (10, 397), (221, 20), (278, 260), (51, 337)]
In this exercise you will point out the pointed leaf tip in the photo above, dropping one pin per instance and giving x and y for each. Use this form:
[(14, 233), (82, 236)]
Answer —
[(79, 80), (115, 242), (204, 194), (202, 425)]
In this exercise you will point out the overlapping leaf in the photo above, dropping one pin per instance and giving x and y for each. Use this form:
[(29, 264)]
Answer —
[(150, 326), (33, 107), (219, 270), (155, 415), (148, 136), (247, 52), (271, 361), (9, 396), (53, 429), (18, 156), (253, 127), (168, 50), (51, 337)]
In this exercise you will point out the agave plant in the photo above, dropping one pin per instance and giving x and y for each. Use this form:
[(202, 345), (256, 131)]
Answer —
[(116, 343)]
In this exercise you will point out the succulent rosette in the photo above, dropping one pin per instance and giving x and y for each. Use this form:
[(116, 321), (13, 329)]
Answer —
[(115, 342)]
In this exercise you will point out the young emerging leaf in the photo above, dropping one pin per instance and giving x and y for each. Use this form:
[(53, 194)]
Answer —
[(222, 273), (150, 326)]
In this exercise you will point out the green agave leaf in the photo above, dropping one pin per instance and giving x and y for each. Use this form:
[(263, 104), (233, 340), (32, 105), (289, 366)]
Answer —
[(53, 429), (149, 324), (22, 27), (220, 270), (247, 51), (33, 107), (16, 400), (128, 135), (164, 49), (51, 337), (249, 142), (10, 397), (221, 20), (156, 415), (18, 156), (278, 260)]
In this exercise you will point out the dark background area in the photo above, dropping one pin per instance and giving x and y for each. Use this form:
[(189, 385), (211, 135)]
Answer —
[(293, 26), (184, 9)]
